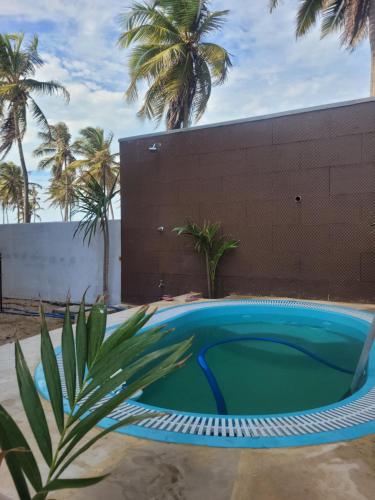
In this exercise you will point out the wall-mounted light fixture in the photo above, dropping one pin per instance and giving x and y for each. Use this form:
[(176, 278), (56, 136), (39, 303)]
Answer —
[(154, 148)]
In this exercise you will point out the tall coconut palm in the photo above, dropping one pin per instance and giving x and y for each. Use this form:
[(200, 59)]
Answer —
[(11, 187), (61, 192), (18, 65), (56, 153), (353, 19), (97, 160), (173, 56)]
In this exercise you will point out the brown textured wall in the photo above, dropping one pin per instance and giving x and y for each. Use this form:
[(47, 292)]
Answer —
[(247, 176)]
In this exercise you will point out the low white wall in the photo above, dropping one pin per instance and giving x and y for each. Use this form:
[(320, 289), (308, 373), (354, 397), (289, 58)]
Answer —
[(44, 260)]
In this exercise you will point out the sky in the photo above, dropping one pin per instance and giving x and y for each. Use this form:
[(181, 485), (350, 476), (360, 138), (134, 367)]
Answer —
[(272, 71)]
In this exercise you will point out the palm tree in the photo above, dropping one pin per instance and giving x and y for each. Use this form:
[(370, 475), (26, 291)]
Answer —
[(56, 153), (97, 160), (18, 65), (93, 202), (211, 245), (11, 187), (61, 193), (34, 204), (354, 19), (174, 58)]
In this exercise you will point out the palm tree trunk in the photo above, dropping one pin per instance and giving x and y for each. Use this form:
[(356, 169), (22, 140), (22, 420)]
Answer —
[(371, 18), (185, 122), (66, 208), (26, 209), (105, 259), (209, 290), (111, 210)]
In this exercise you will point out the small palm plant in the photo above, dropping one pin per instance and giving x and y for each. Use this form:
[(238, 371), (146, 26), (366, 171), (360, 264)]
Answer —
[(94, 202), (94, 366), (210, 244)]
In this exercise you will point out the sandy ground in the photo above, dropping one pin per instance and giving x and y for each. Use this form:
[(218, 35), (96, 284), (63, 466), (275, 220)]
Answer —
[(19, 327)]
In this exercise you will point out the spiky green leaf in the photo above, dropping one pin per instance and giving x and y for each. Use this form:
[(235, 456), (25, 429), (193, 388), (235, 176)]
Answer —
[(11, 437), (51, 373), (81, 343), (82, 482), (32, 405), (96, 326), (69, 356)]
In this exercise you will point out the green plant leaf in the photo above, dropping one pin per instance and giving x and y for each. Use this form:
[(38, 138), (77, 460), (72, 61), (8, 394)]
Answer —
[(11, 437), (82, 482), (86, 446), (126, 352), (32, 405), (17, 476), (81, 343), (115, 381), (124, 331), (96, 326), (69, 357), (155, 373), (51, 373)]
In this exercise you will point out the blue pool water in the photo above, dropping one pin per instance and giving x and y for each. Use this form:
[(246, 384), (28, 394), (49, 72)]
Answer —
[(260, 377)]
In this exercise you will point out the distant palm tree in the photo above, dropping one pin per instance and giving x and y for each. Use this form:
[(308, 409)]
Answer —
[(93, 203), (34, 204), (97, 159), (11, 187), (11, 191), (174, 58), (354, 19), (61, 193), (56, 153), (18, 65)]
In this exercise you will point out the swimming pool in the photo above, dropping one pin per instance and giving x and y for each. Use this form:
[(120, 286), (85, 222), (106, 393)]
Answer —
[(262, 374)]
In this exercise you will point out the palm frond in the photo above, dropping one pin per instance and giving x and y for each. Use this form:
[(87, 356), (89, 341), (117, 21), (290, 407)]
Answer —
[(46, 88), (167, 36), (307, 15), (143, 362)]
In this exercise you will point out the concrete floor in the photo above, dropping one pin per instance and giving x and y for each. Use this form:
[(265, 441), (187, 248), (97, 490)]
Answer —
[(148, 470)]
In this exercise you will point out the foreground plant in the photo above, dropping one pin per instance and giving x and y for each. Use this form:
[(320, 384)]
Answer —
[(211, 244), (94, 366)]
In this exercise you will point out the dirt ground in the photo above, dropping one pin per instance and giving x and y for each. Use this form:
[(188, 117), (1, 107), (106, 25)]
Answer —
[(17, 326)]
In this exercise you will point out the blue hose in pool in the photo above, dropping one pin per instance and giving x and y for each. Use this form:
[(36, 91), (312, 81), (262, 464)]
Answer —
[(219, 398)]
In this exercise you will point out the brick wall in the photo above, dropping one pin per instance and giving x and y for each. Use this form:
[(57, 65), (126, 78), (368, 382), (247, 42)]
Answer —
[(247, 175)]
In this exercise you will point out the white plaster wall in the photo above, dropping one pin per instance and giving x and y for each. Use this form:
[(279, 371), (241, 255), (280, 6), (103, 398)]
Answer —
[(44, 260)]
